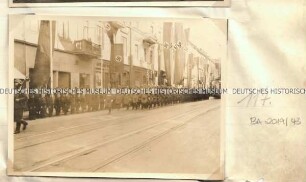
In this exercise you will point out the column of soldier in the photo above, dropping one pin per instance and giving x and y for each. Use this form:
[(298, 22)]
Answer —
[(41, 106)]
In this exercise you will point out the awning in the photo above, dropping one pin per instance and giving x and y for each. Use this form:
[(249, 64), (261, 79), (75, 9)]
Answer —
[(18, 74)]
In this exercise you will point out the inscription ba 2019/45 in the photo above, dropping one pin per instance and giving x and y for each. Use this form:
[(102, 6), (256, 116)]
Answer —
[(285, 121)]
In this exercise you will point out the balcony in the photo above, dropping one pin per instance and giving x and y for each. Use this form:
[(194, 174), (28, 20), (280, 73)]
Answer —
[(87, 48)]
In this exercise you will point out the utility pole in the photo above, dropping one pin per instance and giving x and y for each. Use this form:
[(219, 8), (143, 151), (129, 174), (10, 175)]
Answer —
[(51, 52), (158, 66), (131, 58), (101, 51)]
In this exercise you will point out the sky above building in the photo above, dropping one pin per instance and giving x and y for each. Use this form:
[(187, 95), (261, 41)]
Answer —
[(210, 35)]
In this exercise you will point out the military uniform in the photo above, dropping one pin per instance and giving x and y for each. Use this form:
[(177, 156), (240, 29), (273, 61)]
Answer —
[(83, 103), (19, 106), (150, 101), (50, 105), (155, 100), (89, 102), (31, 107), (118, 101), (135, 101), (78, 100), (36, 106), (109, 103), (42, 106), (57, 104), (144, 101), (101, 99), (72, 99), (127, 101), (95, 102), (65, 103)]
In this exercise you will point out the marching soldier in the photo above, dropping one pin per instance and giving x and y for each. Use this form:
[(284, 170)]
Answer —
[(88, 97), (127, 101), (36, 105), (20, 100), (150, 101), (95, 102), (118, 101), (109, 103), (155, 100), (162, 100), (144, 101), (83, 103), (102, 97), (57, 104), (78, 101), (135, 101), (171, 99), (65, 103), (72, 103), (42, 106), (31, 107), (49, 104)]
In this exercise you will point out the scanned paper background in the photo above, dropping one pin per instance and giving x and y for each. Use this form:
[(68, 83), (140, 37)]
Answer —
[(123, 3), (266, 49)]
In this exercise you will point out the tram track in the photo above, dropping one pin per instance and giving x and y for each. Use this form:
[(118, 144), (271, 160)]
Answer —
[(143, 144), (86, 149), (37, 139)]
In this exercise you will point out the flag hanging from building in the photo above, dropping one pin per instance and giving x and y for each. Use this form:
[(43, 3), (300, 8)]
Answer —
[(189, 70), (217, 65), (218, 69), (111, 30), (41, 76), (179, 54), (167, 37), (187, 33), (117, 59), (196, 63)]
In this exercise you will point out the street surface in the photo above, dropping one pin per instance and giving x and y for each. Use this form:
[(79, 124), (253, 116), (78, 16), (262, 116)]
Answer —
[(181, 138)]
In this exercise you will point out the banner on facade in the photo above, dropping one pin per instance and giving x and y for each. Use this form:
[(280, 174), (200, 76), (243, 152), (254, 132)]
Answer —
[(167, 35), (196, 63), (117, 59), (41, 76), (189, 70), (179, 54)]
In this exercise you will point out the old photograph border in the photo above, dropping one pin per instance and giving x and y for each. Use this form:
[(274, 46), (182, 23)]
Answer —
[(137, 3), (14, 20)]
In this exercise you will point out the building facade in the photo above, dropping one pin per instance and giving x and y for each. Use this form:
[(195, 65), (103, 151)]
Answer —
[(84, 50)]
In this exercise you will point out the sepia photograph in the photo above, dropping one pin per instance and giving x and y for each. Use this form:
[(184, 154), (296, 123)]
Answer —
[(117, 97), (38, 3)]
